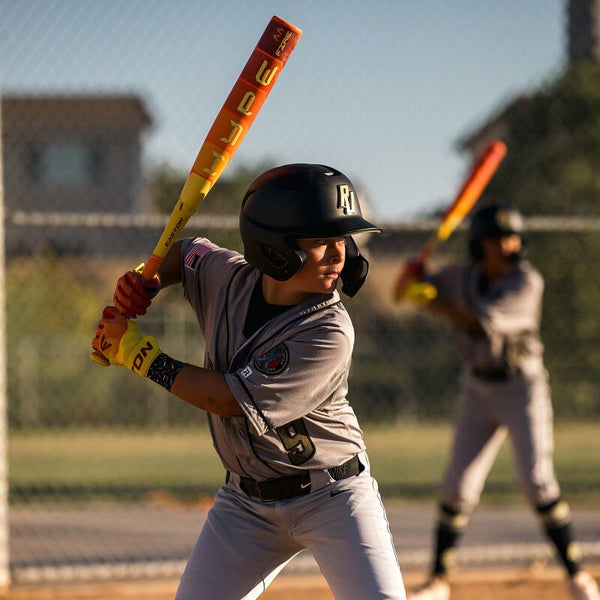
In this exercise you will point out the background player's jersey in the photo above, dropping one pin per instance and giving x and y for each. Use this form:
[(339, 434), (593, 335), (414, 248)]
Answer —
[(508, 309), (289, 377)]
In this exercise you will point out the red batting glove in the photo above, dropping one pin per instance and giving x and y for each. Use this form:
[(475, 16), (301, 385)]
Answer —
[(133, 295)]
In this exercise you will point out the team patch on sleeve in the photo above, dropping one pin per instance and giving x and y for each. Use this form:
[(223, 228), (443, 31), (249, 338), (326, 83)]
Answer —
[(274, 361), (196, 252)]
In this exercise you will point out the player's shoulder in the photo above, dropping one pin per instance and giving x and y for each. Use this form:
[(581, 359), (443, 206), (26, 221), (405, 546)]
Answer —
[(200, 249), (525, 278), (326, 317), (529, 272)]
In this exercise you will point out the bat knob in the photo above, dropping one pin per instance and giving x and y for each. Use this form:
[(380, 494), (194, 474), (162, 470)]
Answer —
[(99, 358)]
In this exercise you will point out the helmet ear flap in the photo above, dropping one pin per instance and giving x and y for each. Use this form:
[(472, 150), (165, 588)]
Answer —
[(281, 264), (356, 269)]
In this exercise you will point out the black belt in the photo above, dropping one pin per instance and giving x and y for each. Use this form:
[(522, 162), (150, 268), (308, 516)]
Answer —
[(492, 373), (285, 488)]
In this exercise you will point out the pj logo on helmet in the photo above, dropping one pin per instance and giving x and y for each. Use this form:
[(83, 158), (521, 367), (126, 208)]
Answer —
[(345, 199)]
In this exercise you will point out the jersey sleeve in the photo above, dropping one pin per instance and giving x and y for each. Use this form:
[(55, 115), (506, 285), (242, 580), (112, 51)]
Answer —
[(206, 269), (301, 374), (515, 306)]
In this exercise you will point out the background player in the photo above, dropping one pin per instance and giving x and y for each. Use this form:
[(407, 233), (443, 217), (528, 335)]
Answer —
[(494, 302), (274, 383)]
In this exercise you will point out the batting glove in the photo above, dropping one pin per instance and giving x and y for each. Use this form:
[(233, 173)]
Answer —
[(120, 341), (133, 295), (419, 292), (413, 271)]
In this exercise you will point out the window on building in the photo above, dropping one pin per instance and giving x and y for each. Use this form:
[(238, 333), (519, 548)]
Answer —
[(68, 163)]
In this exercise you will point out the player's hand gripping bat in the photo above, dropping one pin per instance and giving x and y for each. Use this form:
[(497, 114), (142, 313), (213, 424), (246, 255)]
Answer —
[(458, 209), (226, 134)]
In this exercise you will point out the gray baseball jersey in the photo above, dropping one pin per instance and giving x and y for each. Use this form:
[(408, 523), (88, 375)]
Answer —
[(504, 386), (290, 378)]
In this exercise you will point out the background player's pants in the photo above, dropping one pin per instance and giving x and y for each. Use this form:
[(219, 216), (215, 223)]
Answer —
[(245, 542), (488, 411)]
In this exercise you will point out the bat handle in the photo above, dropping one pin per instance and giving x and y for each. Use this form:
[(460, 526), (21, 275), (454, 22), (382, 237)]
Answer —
[(151, 267)]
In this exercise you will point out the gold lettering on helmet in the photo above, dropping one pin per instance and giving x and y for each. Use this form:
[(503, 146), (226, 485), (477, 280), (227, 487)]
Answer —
[(346, 199)]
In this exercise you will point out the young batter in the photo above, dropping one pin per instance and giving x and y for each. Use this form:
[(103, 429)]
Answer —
[(494, 302), (274, 384)]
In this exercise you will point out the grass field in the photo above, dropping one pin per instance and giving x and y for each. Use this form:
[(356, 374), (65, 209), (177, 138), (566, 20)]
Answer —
[(407, 460)]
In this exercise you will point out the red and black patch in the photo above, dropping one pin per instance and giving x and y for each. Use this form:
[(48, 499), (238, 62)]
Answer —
[(274, 361)]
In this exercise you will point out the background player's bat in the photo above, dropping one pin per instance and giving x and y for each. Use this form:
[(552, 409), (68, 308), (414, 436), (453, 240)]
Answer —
[(227, 132), (469, 193), (460, 206)]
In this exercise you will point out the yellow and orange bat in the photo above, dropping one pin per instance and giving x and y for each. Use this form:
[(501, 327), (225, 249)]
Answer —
[(226, 134), (459, 208)]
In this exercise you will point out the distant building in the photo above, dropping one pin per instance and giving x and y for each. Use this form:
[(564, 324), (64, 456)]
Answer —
[(69, 154), (72, 153)]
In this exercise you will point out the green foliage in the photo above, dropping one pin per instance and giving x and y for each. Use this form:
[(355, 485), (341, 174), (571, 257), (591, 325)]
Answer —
[(553, 140), (166, 182)]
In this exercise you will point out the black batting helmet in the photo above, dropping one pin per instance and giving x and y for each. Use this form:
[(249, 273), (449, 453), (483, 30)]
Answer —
[(302, 201), (495, 221)]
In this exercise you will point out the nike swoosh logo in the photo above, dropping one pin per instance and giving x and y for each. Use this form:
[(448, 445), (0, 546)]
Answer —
[(303, 486)]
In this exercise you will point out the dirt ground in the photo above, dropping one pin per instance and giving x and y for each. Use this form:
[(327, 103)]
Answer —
[(493, 584)]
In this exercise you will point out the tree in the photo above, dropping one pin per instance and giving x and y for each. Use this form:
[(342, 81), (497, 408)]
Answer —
[(166, 182), (553, 140)]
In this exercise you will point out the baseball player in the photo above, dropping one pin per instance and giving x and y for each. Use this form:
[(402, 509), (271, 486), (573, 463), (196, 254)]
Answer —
[(494, 302), (275, 385)]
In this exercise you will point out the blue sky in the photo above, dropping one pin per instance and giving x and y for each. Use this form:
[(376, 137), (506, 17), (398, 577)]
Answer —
[(380, 89)]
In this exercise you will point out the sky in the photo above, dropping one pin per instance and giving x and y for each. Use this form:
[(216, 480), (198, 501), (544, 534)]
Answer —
[(380, 89)]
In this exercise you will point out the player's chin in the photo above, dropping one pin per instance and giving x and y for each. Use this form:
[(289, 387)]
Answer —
[(329, 284)]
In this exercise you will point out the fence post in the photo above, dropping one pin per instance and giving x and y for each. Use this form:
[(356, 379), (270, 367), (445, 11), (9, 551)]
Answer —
[(4, 550)]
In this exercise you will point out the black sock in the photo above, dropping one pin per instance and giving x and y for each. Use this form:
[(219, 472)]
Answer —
[(450, 527), (556, 518)]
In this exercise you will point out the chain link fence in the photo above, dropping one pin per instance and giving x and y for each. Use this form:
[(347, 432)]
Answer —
[(97, 458)]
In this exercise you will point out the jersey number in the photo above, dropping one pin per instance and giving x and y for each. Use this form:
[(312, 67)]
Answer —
[(296, 441)]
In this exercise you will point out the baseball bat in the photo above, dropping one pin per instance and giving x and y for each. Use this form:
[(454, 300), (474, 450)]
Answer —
[(471, 190), (226, 134), (469, 193)]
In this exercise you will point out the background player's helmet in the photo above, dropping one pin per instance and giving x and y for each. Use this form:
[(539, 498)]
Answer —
[(302, 201), (494, 221)]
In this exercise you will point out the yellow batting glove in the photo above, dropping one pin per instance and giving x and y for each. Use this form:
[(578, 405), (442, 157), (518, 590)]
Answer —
[(420, 292), (121, 342)]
